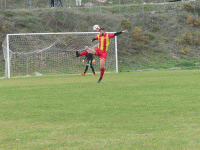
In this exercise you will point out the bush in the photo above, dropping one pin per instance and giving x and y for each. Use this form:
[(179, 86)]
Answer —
[(188, 39), (193, 22), (126, 23), (188, 7), (184, 39), (139, 41), (196, 41), (185, 51)]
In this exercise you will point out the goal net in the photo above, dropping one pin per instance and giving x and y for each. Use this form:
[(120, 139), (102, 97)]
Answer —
[(52, 53)]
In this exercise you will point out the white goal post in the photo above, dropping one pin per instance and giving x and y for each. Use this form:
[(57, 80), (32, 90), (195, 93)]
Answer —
[(28, 54)]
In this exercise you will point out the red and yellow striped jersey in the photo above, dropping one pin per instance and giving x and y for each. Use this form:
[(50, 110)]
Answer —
[(104, 40)]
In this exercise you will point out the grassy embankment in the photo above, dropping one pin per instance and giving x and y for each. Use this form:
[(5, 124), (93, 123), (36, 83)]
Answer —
[(157, 39)]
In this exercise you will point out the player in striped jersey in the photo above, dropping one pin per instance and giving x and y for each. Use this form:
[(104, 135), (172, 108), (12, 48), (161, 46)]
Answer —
[(104, 40)]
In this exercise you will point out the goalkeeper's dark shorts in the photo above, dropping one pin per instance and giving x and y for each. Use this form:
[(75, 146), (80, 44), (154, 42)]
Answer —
[(102, 54)]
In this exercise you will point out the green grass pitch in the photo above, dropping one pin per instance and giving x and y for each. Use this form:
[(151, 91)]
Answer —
[(131, 111)]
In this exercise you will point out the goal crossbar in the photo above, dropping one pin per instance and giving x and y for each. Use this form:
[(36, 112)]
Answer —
[(58, 33)]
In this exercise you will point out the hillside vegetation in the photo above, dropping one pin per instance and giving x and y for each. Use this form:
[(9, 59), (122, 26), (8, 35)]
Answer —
[(156, 39)]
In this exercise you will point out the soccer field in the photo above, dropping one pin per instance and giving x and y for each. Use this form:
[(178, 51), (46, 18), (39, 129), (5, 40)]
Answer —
[(131, 111)]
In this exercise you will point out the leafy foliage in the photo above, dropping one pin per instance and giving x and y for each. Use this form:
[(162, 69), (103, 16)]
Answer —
[(126, 23), (189, 39), (139, 40), (185, 51), (193, 21), (188, 7)]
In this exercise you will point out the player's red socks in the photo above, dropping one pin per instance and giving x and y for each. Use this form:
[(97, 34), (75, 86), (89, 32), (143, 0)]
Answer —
[(83, 53), (102, 72)]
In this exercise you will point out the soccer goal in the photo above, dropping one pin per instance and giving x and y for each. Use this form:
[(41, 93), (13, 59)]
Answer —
[(30, 54)]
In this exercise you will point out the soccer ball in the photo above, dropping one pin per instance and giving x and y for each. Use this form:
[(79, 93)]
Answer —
[(96, 27)]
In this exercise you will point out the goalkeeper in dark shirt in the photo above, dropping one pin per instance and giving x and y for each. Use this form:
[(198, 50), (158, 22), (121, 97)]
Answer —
[(90, 60)]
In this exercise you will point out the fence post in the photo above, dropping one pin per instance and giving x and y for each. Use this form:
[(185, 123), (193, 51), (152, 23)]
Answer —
[(30, 3), (142, 6), (119, 6), (164, 6), (100, 6)]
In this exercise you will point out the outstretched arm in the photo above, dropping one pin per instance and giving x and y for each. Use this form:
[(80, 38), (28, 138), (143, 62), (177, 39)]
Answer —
[(96, 38), (118, 33), (93, 39)]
